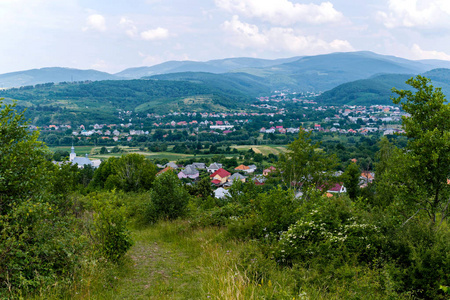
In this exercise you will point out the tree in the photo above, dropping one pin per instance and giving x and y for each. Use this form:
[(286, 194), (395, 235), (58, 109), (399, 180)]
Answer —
[(22, 160), (306, 165), (351, 180), (37, 240), (169, 198), (131, 172), (428, 148)]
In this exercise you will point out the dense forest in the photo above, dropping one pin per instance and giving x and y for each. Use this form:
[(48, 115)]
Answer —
[(99, 101), (69, 232)]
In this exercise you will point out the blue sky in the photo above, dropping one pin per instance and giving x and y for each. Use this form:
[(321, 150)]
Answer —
[(114, 35)]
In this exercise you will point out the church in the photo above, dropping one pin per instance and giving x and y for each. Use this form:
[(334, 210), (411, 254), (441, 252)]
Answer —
[(82, 161)]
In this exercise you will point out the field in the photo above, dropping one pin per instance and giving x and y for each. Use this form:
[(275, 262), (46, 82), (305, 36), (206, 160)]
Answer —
[(94, 152), (263, 149)]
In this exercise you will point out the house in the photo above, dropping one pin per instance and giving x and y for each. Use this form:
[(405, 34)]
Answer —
[(200, 166), (259, 179), (242, 168), (221, 174), (368, 176), (237, 176), (189, 172), (164, 170), (252, 168), (171, 165), (337, 188), (268, 170), (221, 193), (213, 167)]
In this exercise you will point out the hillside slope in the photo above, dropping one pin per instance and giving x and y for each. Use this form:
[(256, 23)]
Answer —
[(378, 90)]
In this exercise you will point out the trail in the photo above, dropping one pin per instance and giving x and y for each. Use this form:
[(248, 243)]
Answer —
[(157, 270)]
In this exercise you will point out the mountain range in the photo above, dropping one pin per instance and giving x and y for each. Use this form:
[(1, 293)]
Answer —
[(355, 78), (302, 73)]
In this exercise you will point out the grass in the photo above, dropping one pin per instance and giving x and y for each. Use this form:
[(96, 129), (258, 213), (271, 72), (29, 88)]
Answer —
[(263, 149), (170, 260), (94, 152), (173, 260)]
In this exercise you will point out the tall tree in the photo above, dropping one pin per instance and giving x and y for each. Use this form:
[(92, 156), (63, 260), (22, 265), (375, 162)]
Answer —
[(351, 180), (306, 165), (428, 149)]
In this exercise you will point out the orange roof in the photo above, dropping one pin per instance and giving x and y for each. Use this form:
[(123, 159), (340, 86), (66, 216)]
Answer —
[(164, 170), (242, 167), (367, 175)]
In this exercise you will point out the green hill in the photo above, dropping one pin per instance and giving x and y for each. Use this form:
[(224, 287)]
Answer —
[(324, 72), (101, 100), (230, 83), (378, 90)]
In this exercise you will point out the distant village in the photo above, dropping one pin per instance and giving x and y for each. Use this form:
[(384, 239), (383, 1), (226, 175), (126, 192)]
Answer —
[(276, 115)]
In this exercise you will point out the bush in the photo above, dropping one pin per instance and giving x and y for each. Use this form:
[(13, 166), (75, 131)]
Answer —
[(169, 198), (268, 214), (112, 239), (327, 229)]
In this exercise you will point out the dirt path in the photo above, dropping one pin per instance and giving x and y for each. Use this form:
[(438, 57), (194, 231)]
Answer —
[(157, 271)]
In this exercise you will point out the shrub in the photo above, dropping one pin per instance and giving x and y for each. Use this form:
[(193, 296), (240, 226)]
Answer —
[(268, 214), (169, 198), (112, 239), (327, 230)]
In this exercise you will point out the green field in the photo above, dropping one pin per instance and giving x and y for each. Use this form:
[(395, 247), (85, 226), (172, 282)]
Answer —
[(94, 152), (263, 149)]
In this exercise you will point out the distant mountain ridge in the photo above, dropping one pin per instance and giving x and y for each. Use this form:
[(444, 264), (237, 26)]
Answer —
[(378, 89), (317, 73), (54, 74), (216, 66)]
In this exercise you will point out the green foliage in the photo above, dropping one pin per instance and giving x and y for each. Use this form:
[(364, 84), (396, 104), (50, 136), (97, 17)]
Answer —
[(351, 180), (40, 243), (23, 160), (421, 260), (306, 165), (169, 198), (428, 149), (130, 172), (330, 229), (266, 214), (112, 239)]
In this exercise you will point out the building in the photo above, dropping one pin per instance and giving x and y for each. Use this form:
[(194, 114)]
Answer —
[(220, 176), (82, 161)]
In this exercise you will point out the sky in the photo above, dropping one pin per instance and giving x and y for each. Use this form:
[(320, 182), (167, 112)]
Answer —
[(112, 35)]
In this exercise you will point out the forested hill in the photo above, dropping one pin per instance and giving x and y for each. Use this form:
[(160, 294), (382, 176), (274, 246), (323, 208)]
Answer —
[(102, 98), (378, 90), (233, 83)]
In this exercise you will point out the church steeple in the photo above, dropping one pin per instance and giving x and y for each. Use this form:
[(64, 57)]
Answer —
[(72, 154)]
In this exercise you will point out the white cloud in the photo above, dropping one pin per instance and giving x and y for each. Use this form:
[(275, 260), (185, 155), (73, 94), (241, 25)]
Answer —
[(95, 22), (416, 13), (130, 29), (246, 34), (279, 39), (418, 53), (283, 12), (155, 34)]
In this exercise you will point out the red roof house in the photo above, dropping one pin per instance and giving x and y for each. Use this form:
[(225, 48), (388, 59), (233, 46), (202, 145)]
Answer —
[(221, 175)]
